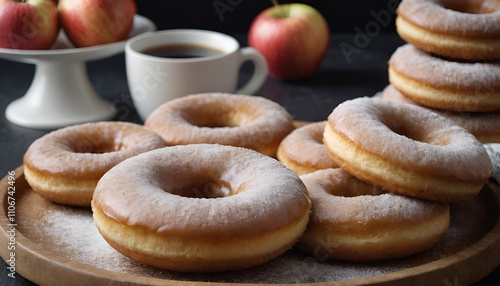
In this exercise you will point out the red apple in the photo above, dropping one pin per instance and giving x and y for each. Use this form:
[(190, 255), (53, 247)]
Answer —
[(292, 37), (96, 22), (28, 24)]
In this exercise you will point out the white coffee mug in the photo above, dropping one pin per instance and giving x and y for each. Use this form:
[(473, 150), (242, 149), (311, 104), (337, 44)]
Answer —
[(153, 80)]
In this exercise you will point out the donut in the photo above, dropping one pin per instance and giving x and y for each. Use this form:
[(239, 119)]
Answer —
[(406, 149), (303, 150), (201, 208), (441, 84), (460, 29), (237, 120), (484, 125), (355, 221), (65, 165)]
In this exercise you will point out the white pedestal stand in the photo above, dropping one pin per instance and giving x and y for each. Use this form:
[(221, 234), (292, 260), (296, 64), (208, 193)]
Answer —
[(61, 93)]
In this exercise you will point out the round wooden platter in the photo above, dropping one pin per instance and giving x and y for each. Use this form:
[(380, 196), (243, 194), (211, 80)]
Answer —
[(60, 245)]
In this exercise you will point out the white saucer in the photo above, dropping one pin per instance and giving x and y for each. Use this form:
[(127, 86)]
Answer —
[(60, 93)]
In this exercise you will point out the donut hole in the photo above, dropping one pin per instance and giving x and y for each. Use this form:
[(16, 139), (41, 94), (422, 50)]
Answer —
[(351, 193), (219, 116), (402, 128), (414, 130), (213, 121), (472, 6), (203, 189), (355, 189), (100, 146), (337, 182), (316, 138)]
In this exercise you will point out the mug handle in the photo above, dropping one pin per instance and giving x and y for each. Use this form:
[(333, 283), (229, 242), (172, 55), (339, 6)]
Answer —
[(260, 72)]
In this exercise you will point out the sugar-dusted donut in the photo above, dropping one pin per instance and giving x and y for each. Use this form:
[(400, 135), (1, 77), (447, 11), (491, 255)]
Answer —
[(484, 125), (443, 84), (461, 29), (353, 220), (303, 150), (201, 207), (238, 120), (406, 149), (65, 165)]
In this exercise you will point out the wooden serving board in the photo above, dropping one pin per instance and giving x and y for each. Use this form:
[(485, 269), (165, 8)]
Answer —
[(60, 245)]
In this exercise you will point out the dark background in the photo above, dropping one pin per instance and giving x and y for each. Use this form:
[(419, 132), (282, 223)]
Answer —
[(235, 16)]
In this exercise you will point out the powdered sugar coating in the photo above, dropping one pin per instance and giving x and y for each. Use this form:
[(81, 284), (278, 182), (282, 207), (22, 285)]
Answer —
[(484, 125), (435, 15), (412, 137), (90, 149), (238, 120), (438, 72), (254, 193)]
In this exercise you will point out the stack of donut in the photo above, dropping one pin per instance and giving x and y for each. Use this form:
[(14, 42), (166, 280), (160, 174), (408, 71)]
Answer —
[(400, 166), (451, 63)]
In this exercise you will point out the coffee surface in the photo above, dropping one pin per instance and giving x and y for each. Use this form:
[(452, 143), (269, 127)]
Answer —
[(182, 51)]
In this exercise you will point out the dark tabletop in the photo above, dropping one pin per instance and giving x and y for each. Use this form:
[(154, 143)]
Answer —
[(341, 77)]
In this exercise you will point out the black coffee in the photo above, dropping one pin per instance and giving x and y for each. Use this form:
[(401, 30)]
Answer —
[(181, 51)]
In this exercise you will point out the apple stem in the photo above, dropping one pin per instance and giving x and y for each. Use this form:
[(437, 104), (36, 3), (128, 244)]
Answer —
[(278, 6)]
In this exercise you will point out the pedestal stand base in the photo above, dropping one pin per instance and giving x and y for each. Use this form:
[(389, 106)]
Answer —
[(60, 95)]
